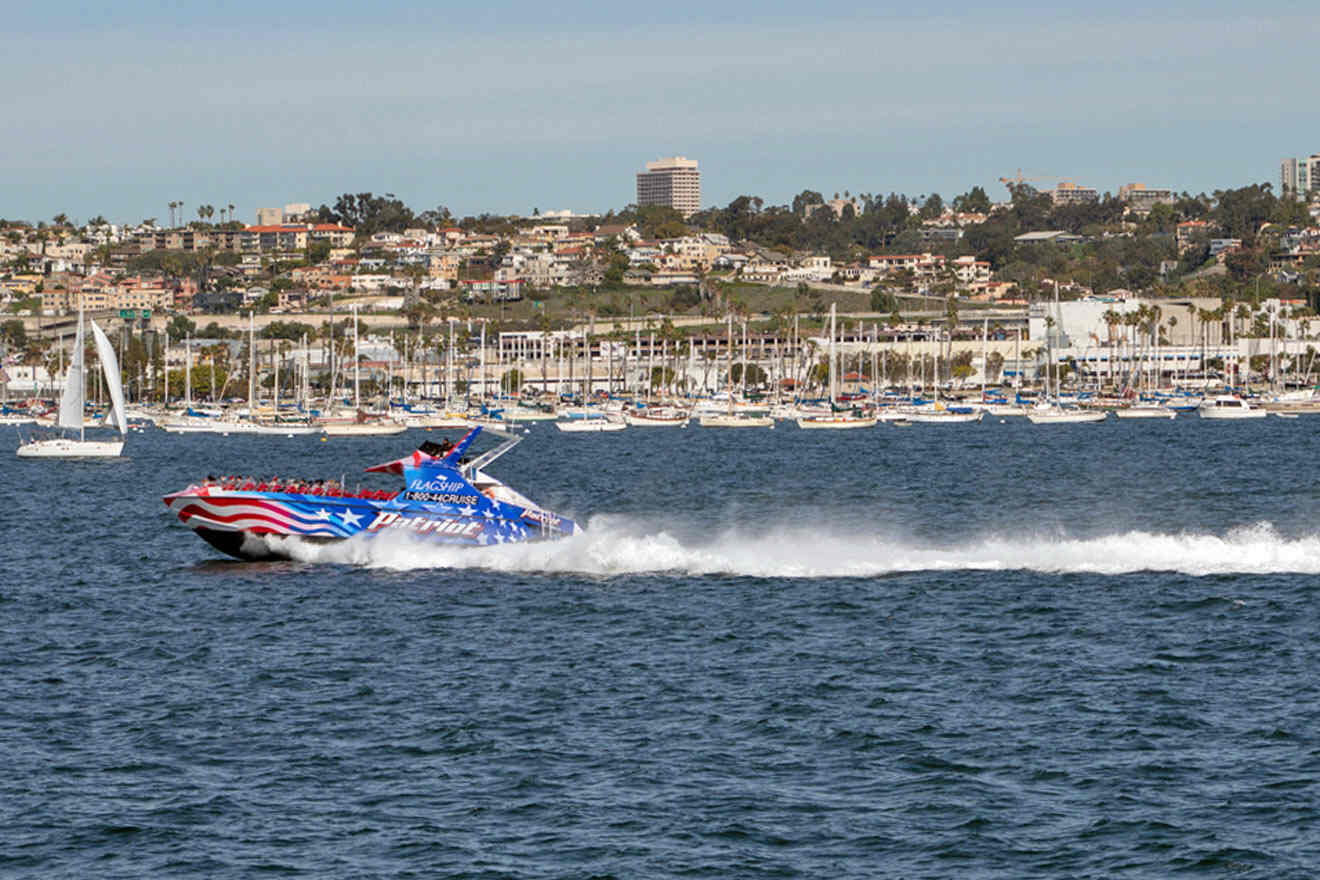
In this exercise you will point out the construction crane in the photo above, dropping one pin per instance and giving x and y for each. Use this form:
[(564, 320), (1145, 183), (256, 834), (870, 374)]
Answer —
[(1010, 182)]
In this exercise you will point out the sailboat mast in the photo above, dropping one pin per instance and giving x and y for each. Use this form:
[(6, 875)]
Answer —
[(357, 363), (252, 365), (187, 370), (728, 388), (985, 353), (82, 426), (834, 370)]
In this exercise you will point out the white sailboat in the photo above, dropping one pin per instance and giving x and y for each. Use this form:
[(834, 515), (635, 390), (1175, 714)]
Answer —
[(71, 407), (835, 419), (732, 419)]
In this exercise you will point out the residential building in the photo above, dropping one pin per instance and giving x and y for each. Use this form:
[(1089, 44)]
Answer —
[(1140, 200), (674, 182), (1299, 177), (1069, 193)]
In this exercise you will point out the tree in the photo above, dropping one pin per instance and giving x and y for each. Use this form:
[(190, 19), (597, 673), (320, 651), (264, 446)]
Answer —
[(318, 252), (805, 198), (180, 326), (368, 213), (933, 207), (511, 381), (1242, 211), (974, 201)]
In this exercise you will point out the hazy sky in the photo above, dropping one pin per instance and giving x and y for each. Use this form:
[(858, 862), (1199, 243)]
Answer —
[(507, 106)]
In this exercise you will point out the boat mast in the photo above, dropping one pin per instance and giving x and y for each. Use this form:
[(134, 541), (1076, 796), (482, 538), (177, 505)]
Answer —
[(834, 369), (275, 356), (729, 384), (985, 353), (357, 363), (82, 425), (252, 365)]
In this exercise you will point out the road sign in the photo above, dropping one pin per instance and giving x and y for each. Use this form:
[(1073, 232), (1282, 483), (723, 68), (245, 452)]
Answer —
[(146, 314), (128, 314)]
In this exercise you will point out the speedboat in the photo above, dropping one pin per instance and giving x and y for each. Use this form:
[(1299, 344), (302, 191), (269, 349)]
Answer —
[(446, 498)]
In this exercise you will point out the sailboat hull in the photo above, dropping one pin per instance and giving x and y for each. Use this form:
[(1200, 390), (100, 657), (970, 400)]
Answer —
[(61, 447)]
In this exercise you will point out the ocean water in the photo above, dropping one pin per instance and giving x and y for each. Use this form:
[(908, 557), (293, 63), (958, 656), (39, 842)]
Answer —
[(992, 651)]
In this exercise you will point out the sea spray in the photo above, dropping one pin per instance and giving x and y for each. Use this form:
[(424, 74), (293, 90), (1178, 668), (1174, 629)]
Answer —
[(624, 545)]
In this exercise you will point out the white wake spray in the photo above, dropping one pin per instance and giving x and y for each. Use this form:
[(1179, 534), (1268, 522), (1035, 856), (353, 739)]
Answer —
[(621, 546)]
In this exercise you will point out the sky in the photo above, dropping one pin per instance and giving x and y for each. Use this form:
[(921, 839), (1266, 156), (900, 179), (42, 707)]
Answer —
[(506, 107)]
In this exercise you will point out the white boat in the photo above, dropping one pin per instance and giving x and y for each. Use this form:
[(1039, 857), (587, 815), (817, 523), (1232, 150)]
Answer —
[(590, 425), (363, 429), (530, 414), (939, 414), (836, 421), (71, 407), (1145, 412), (1050, 414), (1005, 409), (1229, 406), (657, 417), (735, 420), (437, 420), (1287, 415)]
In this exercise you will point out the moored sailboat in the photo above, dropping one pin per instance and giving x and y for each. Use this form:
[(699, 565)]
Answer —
[(72, 401)]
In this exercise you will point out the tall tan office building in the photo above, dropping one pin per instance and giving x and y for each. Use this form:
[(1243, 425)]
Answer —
[(674, 182)]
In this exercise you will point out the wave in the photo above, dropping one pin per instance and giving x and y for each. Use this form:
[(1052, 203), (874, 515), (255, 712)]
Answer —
[(614, 546)]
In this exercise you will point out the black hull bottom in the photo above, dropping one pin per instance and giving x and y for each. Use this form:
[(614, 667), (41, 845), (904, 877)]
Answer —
[(248, 547)]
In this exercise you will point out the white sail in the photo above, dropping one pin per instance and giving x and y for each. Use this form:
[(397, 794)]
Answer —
[(71, 401), (110, 366)]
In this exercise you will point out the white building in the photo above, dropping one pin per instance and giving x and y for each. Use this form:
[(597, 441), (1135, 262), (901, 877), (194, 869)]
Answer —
[(1299, 177), (674, 182)]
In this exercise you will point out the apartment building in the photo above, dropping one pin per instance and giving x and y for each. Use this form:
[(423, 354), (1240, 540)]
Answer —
[(1140, 199), (1069, 193), (674, 182), (1299, 177), (249, 239)]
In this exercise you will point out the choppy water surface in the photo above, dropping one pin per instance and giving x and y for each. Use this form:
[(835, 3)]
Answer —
[(988, 651)]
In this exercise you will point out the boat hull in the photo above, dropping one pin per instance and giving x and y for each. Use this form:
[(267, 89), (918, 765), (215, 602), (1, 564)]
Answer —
[(66, 448), (736, 421), (945, 417), (1229, 414), (240, 523), (1067, 417), (641, 421), (363, 430), (590, 426), (1145, 412), (829, 422)]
